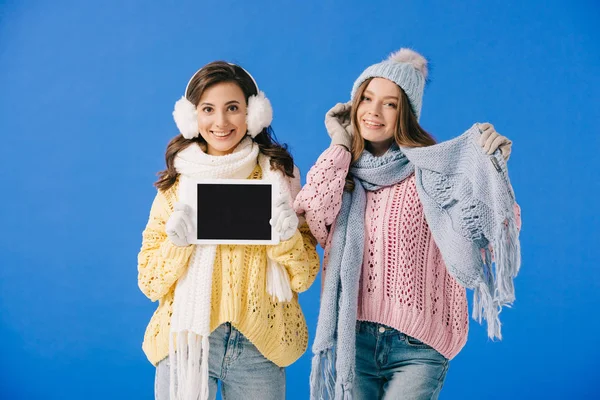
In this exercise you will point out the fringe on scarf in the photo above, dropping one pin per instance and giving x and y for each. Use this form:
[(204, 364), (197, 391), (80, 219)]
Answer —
[(278, 282), (189, 366), (322, 375), (498, 290), (343, 391)]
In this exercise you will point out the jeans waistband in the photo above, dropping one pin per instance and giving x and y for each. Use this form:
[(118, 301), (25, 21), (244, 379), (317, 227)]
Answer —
[(376, 329)]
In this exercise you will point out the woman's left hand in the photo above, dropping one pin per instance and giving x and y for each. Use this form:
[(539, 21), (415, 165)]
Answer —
[(284, 219), (491, 141)]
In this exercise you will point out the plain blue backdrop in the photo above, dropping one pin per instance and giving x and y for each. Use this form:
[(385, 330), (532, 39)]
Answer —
[(86, 94)]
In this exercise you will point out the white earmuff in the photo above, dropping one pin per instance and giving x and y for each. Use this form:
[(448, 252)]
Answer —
[(259, 115), (186, 118)]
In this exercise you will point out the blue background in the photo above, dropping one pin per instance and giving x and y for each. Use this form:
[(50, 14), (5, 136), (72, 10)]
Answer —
[(86, 94)]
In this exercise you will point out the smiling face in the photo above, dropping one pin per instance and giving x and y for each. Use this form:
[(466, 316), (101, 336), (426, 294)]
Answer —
[(377, 114), (222, 117)]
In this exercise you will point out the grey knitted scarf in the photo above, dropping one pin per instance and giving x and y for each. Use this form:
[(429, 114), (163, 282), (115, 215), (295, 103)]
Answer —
[(468, 204)]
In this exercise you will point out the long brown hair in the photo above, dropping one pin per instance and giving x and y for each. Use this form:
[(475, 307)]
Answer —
[(408, 131), (211, 74)]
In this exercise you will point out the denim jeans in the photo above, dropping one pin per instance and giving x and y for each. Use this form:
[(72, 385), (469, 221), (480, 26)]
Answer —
[(243, 371), (392, 365)]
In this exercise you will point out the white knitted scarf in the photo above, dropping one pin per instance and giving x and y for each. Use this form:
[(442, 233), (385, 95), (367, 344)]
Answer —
[(190, 322)]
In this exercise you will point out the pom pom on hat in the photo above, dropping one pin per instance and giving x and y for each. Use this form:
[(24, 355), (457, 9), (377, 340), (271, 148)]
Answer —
[(409, 56)]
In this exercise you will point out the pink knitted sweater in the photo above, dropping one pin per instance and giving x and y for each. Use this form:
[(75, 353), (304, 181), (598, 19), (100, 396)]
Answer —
[(404, 283)]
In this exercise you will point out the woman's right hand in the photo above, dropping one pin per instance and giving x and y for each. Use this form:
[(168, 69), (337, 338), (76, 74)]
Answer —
[(338, 124), (179, 225)]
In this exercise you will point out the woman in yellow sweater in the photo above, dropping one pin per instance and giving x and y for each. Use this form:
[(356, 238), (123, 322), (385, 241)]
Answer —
[(220, 297)]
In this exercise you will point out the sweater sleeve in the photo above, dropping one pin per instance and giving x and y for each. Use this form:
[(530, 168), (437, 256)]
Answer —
[(160, 262), (320, 199), (299, 257)]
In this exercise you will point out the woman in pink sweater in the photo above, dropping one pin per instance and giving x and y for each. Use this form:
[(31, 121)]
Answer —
[(412, 315)]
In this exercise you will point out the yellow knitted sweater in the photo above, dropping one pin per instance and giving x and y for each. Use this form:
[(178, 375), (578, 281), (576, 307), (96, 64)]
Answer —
[(278, 330)]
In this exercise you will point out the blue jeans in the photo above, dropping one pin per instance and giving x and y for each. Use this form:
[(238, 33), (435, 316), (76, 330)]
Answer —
[(243, 371), (392, 365)]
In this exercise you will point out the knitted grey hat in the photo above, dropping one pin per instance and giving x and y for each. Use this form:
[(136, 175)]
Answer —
[(406, 68)]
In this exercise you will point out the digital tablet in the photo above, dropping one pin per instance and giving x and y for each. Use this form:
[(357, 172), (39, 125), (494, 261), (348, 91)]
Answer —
[(231, 211)]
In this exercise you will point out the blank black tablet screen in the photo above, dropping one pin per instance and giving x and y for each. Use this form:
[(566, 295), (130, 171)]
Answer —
[(234, 212)]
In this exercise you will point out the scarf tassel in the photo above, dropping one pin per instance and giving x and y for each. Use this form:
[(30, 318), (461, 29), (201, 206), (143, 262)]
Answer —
[(322, 376), (343, 392), (189, 366), (508, 263), (278, 282), (498, 291), (485, 307)]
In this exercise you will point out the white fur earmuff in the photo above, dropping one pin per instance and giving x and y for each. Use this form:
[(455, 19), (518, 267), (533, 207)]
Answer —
[(259, 114), (186, 118)]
